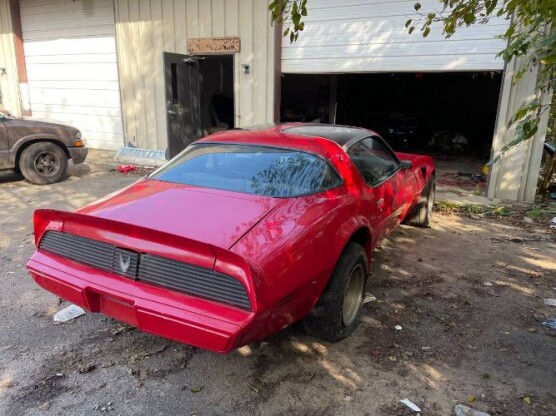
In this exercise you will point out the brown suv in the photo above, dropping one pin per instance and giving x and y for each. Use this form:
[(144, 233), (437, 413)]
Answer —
[(39, 150)]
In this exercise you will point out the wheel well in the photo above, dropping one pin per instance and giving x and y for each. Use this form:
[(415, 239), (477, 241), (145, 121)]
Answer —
[(362, 237), (30, 142), (424, 174)]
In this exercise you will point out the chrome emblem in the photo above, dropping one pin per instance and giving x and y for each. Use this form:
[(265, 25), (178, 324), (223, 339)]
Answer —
[(125, 262)]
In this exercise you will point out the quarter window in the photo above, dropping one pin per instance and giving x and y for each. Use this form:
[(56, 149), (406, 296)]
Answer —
[(373, 159)]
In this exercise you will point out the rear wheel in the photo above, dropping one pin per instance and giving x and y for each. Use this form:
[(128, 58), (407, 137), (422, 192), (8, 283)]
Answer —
[(43, 163), (421, 213), (338, 311)]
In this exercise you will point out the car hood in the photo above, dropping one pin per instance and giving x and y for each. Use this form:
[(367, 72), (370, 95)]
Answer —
[(39, 125), (211, 216), (20, 129)]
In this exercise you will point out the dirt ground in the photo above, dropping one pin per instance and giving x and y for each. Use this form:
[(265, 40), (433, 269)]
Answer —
[(468, 294)]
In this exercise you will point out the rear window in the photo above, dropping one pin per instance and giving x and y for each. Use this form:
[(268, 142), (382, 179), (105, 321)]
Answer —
[(250, 169)]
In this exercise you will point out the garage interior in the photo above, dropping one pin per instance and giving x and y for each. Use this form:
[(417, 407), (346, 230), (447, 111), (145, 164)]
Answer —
[(217, 93), (450, 116)]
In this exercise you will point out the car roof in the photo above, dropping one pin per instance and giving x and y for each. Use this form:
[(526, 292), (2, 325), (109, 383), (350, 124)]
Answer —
[(324, 139), (337, 133)]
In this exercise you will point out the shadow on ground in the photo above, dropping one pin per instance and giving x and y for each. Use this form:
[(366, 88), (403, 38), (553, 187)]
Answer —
[(467, 293)]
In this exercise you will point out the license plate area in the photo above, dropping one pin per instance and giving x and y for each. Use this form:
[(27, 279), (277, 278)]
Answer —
[(118, 309)]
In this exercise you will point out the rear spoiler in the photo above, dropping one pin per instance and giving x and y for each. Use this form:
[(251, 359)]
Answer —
[(145, 240)]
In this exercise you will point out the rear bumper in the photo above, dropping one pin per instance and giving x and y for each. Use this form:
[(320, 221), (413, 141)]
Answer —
[(78, 154), (151, 309)]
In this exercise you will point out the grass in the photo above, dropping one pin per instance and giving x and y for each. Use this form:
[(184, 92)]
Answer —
[(539, 211), (501, 211), (447, 206), (472, 209)]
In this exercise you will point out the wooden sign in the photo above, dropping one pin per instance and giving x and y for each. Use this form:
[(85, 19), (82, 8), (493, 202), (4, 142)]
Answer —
[(209, 46)]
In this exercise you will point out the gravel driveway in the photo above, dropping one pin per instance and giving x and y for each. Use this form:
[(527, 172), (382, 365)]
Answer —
[(468, 294)]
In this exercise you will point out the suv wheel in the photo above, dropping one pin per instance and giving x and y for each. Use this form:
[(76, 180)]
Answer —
[(43, 163)]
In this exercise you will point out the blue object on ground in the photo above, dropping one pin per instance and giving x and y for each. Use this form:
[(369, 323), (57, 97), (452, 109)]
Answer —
[(551, 323)]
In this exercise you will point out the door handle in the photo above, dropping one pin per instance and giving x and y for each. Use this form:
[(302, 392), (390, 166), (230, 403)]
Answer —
[(171, 112)]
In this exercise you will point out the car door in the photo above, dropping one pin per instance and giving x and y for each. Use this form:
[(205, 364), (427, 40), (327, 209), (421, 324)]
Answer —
[(384, 180), (4, 147), (402, 180), (183, 97)]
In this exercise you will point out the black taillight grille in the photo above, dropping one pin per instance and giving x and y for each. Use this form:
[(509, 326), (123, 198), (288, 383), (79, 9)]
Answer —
[(80, 249), (194, 280), (148, 268)]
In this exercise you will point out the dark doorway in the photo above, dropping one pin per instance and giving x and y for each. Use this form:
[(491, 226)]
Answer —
[(217, 93), (199, 97)]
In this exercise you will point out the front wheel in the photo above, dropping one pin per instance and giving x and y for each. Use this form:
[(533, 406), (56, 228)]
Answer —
[(338, 311), (43, 163)]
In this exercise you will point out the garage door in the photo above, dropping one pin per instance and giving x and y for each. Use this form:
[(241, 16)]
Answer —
[(370, 36), (70, 51)]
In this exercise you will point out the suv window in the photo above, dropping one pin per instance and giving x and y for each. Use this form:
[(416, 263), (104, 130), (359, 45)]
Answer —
[(373, 159), (250, 169)]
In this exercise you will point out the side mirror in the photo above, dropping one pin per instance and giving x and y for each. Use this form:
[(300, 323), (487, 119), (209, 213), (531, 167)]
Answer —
[(406, 164)]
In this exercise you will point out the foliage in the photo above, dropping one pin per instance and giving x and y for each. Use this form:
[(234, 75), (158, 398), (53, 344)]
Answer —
[(289, 13), (452, 207), (539, 211), (531, 36)]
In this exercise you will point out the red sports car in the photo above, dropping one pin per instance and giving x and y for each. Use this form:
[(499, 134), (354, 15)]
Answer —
[(242, 234)]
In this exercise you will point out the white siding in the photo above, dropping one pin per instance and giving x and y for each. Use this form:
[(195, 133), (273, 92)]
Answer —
[(370, 36), (9, 89), (147, 28), (515, 176), (70, 51)]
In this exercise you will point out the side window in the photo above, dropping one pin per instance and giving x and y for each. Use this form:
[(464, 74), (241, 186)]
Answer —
[(374, 160)]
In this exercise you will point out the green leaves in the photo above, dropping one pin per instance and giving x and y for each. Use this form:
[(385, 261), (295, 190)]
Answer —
[(526, 108), (289, 13), (549, 60), (469, 19), (490, 6), (530, 37)]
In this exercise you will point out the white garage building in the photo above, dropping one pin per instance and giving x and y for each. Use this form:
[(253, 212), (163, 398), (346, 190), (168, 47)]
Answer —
[(72, 69), (148, 73), (370, 36)]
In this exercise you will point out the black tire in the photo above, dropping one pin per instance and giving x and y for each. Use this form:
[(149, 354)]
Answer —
[(421, 213), (43, 163), (328, 320)]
